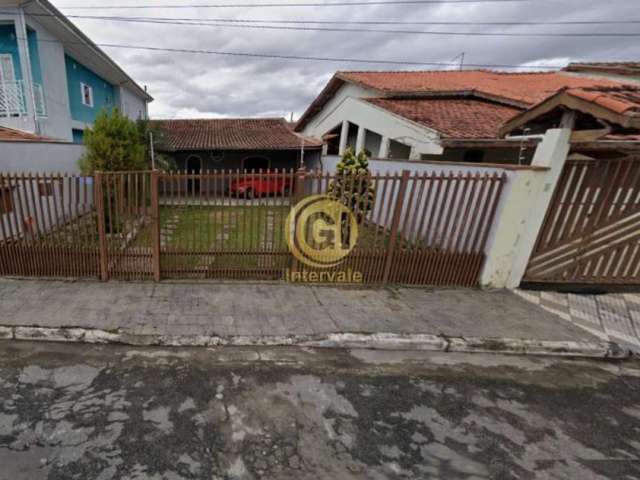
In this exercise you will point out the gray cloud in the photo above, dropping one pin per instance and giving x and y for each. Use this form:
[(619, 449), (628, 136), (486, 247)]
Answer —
[(193, 85)]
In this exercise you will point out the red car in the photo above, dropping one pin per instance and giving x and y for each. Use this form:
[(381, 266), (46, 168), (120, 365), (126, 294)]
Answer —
[(252, 186)]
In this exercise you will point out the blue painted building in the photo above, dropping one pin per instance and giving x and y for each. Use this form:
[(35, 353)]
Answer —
[(53, 80), (88, 92)]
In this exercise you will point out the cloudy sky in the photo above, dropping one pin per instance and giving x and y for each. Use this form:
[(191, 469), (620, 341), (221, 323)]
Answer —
[(190, 85)]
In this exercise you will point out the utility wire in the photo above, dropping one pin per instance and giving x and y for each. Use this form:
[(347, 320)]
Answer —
[(358, 30), (308, 58), (358, 22), (312, 4)]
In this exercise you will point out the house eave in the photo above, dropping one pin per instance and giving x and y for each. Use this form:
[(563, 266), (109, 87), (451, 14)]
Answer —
[(81, 47), (564, 100)]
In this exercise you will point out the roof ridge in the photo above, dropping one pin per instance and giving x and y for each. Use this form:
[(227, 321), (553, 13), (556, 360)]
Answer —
[(217, 119), (613, 62), (473, 70)]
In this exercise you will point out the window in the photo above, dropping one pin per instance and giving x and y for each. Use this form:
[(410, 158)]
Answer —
[(399, 150), (87, 95), (78, 136), (7, 72)]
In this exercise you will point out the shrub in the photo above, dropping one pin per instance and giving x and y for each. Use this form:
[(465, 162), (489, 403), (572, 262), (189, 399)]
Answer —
[(113, 144)]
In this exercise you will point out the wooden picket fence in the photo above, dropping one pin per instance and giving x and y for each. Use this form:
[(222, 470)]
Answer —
[(419, 229)]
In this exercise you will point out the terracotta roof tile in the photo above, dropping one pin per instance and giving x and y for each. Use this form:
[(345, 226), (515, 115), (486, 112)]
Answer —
[(452, 117), (11, 135), (232, 134), (518, 89), (624, 100), (523, 88)]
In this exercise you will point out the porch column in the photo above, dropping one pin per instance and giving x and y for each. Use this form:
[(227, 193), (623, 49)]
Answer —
[(360, 139), (523, 208), (385, 143), (344, 137), (414, 154), (25, 70)]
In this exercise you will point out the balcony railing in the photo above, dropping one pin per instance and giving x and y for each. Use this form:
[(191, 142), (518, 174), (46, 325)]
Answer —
[(13, 101)]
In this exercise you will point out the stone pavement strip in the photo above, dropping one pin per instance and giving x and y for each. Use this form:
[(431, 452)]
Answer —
[(614, 317), (208, 314)]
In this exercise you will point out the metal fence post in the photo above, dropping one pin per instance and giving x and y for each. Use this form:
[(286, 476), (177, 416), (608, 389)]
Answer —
[(296, 197), (395, 223), (102, 234), (155, 223)]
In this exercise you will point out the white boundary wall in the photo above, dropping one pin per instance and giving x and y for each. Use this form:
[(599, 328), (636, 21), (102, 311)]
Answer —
[(526, 204), (40, 157)]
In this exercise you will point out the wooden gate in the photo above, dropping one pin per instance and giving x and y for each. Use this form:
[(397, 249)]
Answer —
[(591, 234)]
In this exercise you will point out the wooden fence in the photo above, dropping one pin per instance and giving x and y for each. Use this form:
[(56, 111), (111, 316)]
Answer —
[(420, 229)]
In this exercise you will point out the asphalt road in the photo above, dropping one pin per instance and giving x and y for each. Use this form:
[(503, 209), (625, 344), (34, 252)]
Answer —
[(110, 412)]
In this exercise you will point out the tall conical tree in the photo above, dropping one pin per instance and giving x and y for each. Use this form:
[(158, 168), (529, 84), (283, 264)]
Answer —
[(353, 186)]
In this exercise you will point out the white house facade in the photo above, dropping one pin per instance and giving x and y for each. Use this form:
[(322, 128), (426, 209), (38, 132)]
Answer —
[(434, 116), (53, 79)]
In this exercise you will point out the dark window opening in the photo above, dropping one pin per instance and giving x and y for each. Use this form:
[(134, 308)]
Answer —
[(473, 156), (332, 139), (256, 164)]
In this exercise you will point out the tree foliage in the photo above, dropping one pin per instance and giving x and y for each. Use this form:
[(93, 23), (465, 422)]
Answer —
[(353, 186), (114, 143)]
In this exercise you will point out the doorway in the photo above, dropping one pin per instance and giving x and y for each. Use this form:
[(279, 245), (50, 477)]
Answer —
[(193, 166)]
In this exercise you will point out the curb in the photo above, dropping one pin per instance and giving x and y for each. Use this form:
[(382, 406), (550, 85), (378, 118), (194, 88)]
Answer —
[(373, 341)]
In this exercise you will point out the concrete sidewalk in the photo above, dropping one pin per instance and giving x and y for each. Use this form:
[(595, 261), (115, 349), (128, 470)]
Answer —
[(278, 314)]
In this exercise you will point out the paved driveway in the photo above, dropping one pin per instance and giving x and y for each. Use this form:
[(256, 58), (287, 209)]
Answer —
[(611, 317)]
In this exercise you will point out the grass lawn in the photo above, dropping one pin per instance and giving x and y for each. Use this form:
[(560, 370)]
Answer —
[(198, 232)]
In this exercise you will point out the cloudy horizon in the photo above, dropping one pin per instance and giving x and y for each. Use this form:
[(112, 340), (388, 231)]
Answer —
[(191, 85)]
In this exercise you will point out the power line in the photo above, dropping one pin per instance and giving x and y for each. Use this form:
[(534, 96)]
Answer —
[(314, 4), (352, 30), (359, 22), (309, 58)]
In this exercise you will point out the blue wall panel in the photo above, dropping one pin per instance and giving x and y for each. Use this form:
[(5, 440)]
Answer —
[(34, 56), (103, 92)]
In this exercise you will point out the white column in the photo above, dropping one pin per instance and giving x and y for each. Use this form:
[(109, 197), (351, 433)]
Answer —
[(360, 139), (385, 143), (522, 211), (414, 154), (29, 122), (344, 137)]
